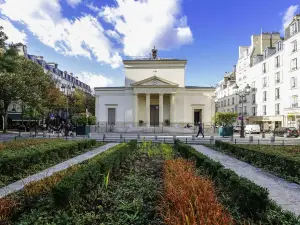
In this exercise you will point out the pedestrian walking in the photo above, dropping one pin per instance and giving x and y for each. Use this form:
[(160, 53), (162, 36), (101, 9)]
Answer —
[(200, 130)]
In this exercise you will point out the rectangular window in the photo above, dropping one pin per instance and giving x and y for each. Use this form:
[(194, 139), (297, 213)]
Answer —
[(264, 82), (264, 96), (240, 110), (253, 98), (277, 61), (277, 111), (294, 64), (294, 46), (232, 110), (264, 68), (277, 78), (232, 100), (253, 111), (224, 102), (293, 29), (294, 101), (221, 103), (279, 46), (228, 102), (277, 93), (245, 110), (264, 110), (293, 82)]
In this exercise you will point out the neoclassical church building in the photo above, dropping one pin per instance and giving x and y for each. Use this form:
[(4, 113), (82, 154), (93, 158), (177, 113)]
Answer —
[(154, 95)]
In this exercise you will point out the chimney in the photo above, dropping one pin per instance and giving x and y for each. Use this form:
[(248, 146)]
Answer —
[(40, 57), (71, 74), (53, 64)]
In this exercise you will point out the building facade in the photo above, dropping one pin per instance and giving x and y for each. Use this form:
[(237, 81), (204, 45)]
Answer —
[(270, 65), (154, 95)]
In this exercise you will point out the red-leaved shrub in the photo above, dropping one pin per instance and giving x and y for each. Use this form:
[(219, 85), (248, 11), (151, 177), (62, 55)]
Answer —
[(190, 199)]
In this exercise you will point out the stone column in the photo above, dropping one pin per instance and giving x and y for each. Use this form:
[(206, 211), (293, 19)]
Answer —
[(136, 110), (148, 110), (161, 109), (172, 109)]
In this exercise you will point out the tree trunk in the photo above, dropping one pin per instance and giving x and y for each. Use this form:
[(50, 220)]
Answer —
[(5, 120)]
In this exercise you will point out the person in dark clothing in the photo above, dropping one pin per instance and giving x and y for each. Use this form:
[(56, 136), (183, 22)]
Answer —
[(200, 130)]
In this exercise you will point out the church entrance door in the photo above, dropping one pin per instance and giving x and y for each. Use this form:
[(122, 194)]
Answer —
[(154, 115)]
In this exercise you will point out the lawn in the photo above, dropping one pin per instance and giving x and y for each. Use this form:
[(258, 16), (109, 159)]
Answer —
[(22, 158), (141, 184), (283, 161)]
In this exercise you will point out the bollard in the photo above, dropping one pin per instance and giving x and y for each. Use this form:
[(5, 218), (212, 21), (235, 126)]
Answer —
[(15, 138), (19, 133), (155, 137), (231, 138), (174, 137), (234, 141), (121, 136), (211, 139), (164, 140), (124, 140), (282, 142), (44, 133), (250, 139), (263, 135), (272, 139), (186, 140), (258, 141), (193, 137), (138, 136)]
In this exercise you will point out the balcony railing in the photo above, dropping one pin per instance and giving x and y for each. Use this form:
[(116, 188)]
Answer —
[(277, 113), (264, 70), (277, 81), (294, 105), (264, 99), (277, 65), (277, 97)]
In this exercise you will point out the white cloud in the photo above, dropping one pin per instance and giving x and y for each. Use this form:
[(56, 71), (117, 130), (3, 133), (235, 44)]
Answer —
[(83, 36), (73, 3), (289, 15), (14, 35), (92, 7), (143, 24), (95, 80)]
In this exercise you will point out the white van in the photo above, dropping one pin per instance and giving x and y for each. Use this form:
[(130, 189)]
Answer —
[(252, 128)]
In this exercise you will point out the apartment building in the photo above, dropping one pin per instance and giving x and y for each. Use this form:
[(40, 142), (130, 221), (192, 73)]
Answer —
[(270, 65)]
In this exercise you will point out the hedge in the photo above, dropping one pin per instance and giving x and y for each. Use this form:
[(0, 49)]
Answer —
[(281, 162), (251, 199), (91, 174), (13, 162)]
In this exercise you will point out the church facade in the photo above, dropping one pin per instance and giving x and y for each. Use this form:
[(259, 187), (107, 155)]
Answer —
[(154, 95)]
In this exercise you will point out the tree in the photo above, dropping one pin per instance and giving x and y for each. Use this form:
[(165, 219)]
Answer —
[(224, 118), (81, 101)]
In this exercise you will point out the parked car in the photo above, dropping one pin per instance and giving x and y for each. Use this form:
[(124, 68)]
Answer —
[(286, 132), (252, 128), (236, 128)]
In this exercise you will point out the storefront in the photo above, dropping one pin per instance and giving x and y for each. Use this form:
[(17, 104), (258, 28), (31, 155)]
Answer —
[(267, 122), (293, 119)]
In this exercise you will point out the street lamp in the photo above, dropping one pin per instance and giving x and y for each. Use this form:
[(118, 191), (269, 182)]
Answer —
[(242, 94), (68, 91)]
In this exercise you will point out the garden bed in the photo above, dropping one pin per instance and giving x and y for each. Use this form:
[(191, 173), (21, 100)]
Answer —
[(283, 161), (144, 184), (21, 159)]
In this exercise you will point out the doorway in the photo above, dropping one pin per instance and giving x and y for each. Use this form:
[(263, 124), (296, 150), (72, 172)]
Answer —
[(111, 112), (154, 115), (197, 116)]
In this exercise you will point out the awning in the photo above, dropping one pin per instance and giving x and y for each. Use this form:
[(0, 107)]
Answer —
[(266, 118)]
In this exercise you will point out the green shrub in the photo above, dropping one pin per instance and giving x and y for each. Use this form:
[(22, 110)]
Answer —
[(283, 161), (14, 162), (92, 174), (251, 199)]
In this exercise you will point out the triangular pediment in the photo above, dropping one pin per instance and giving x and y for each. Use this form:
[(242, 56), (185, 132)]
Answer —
[(154, 81)]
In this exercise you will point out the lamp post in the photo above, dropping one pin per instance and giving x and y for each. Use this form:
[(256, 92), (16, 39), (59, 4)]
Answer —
[(242, 94), (68, 91)]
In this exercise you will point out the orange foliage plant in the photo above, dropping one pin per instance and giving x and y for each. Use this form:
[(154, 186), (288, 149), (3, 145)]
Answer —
[(7, 207), (190, 199)]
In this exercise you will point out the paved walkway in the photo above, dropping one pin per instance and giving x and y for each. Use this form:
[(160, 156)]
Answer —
[(285, 194), (48, 172)]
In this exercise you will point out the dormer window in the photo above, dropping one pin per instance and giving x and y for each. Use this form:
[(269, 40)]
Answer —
[(293, 29)]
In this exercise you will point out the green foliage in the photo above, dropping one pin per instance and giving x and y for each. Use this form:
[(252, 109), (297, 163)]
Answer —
[(89, 176), (224, 118), (283, 161), (82, 119), (250, 199), (16, 163)]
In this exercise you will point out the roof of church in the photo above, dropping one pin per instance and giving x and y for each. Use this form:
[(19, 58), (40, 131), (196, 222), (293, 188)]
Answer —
[(198, 87)]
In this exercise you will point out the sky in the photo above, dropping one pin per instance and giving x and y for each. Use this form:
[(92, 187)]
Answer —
[(90, 38)]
